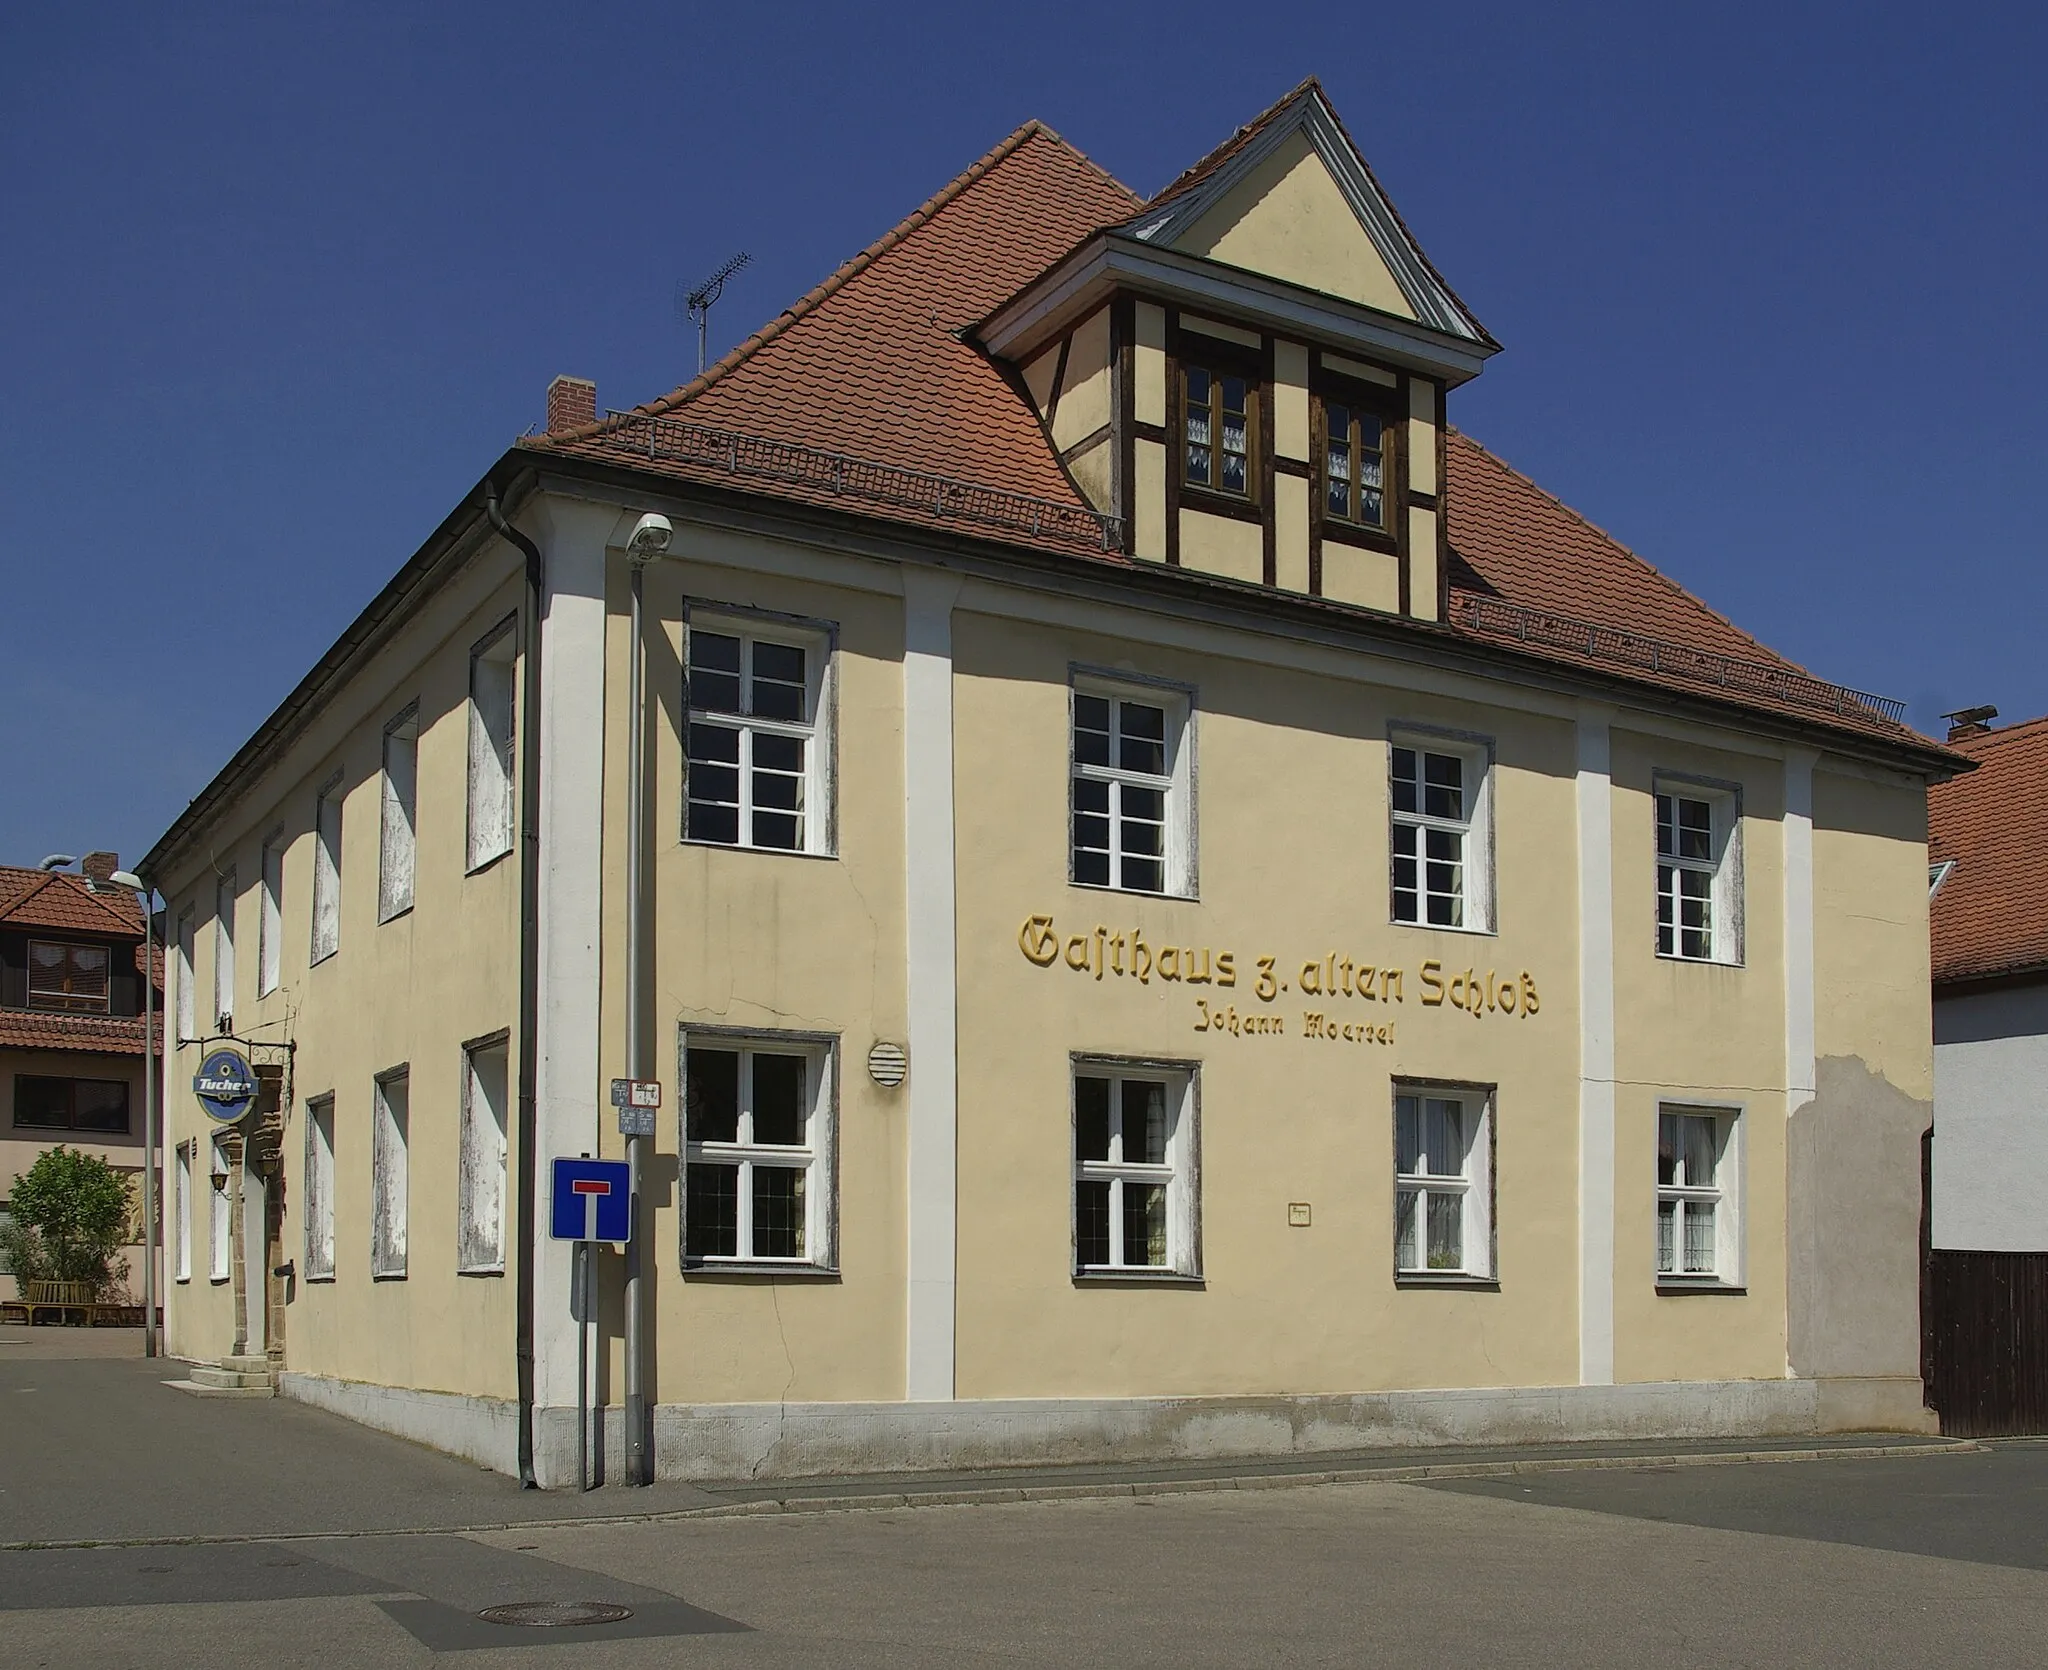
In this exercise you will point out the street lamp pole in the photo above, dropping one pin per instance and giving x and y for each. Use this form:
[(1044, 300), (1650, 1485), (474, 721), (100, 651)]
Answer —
[(151, 1065)]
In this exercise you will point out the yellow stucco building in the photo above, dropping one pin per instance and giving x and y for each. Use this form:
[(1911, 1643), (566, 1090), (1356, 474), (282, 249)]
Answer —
[(1182, 905)]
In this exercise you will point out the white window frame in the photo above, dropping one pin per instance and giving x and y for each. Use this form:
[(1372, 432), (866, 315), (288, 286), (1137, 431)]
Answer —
[(1724, 928), (320, 1187), (188, 1022), (270, 917), (482, 1173), (1472, 1183), (224, 901), (220, 1173), (818, 1158), (398, 824), (492, 818), (819, 642), (390, 1173), (1180, 1172), (1475, 755), (181, 1176), (325, 937), (1723, 1191), (1176, 784)]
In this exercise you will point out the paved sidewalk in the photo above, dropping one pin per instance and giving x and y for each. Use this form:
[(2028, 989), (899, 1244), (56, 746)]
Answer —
[(99, 1450)]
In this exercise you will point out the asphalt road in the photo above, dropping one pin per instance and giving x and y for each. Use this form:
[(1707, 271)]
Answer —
[(1906, 1560)]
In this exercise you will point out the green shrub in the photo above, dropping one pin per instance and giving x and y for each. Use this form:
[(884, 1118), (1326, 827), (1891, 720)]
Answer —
[(69, 1215)]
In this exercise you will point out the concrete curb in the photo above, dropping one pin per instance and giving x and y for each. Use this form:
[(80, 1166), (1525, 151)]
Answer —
[(1105, 1490)]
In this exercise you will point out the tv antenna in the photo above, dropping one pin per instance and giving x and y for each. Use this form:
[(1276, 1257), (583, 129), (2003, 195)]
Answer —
[(697, 303)]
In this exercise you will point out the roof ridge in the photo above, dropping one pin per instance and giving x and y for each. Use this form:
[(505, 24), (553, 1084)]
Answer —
[(1216, 154), (1999, 733), (840, 276), (1642, 562)]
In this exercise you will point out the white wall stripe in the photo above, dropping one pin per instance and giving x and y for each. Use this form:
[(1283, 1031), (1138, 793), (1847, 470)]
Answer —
[(1596, 1047), (1799, 1039), (928, 600), (571, 896)]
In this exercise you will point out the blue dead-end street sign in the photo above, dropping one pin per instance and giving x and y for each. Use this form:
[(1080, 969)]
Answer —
[(591, 1201)]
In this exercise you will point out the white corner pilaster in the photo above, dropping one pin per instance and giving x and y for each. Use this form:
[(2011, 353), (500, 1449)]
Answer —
[(933, 1135), (1799, 1034), (1596, 1046), (568, 1095)]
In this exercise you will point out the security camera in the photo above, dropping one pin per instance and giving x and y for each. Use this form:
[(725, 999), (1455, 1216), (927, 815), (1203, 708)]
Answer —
[(651, 535)]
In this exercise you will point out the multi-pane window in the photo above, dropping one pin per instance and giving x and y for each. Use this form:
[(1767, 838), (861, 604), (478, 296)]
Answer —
[(480, 1206), (1443, 1200), (1353, 463), (754, 776), (491, 666), (390, 1166), (320, 1189), (1219, 409), (54, 1104), (398, 848), (270, 920), (1133, 1183), (69, 977), (224, 952), (756, 1133), (1129, 794), (1441, 875), (1696, 899), (1697, 1229), (327, 872)]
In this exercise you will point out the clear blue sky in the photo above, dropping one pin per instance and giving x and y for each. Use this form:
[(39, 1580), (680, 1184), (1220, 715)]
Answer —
[(279, 283)]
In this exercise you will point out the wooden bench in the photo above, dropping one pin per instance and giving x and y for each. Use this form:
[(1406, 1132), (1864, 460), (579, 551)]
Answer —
[(63, 1297)]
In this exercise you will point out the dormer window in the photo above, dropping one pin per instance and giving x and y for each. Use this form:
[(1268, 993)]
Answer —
[(1354, 464), (72, 978), (1220, 406)]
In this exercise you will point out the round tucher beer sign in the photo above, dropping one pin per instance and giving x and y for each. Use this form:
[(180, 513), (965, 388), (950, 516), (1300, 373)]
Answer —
[(226, 1085)]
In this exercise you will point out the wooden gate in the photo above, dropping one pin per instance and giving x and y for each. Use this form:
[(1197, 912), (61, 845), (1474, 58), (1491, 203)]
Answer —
[(1985, 1326)]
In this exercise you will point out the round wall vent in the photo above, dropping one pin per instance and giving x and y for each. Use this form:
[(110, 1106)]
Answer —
[(887, 1065)]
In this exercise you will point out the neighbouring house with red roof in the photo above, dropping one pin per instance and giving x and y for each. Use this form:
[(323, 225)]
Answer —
[(73, 1050), (1988, 852), (1143, 892)]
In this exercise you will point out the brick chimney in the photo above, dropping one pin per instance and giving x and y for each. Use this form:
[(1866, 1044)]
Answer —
[(1969, 721), (572, 403), (99, 866)]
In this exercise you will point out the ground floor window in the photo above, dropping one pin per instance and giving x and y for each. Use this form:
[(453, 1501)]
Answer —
[(1443, 1182), (1699, 1209), (390, 1174), (1135, 1197), (757, 1136), (480, 1206), (320, 1189), (218, 1201), (181, 1217)]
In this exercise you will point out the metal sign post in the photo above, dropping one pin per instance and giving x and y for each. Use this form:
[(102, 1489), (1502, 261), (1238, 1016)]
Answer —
[(591, 1202)]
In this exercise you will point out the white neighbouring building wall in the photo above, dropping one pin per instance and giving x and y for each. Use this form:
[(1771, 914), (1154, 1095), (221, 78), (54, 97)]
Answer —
[(1991, 1120)]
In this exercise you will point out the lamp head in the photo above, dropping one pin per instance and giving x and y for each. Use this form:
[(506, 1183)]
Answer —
[(650, 537)]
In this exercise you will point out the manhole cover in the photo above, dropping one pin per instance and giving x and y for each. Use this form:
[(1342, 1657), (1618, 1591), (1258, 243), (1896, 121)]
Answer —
[(555, 1614)]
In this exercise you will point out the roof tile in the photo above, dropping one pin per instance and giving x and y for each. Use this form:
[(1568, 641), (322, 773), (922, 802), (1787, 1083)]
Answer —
[(1990, 916)]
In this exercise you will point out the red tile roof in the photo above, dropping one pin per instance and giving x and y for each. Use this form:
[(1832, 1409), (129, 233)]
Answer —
[(61, 900), (1991, 914), (871, 365), (33, 1029)]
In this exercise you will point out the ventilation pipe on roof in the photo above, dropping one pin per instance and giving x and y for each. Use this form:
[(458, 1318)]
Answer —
[(57, 861), (523, 1245)]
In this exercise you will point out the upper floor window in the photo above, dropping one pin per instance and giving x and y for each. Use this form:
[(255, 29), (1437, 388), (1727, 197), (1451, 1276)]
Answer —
[(398, 852), (754, 774), (182, 969), (1442, 862), (52, 1104), (224, 952), (1220, 408), (327, 872), (491, 666), (1354, 465), (270, 918), (1130, 788), (1698, 877), (68, 977)]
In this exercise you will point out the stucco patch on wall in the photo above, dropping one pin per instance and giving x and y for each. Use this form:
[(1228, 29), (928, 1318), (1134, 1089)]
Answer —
[(1852, 1187)]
